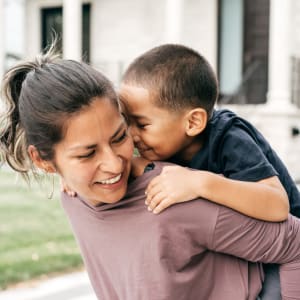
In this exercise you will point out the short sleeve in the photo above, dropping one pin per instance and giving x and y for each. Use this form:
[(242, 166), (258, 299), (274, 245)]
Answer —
[(241, 157)]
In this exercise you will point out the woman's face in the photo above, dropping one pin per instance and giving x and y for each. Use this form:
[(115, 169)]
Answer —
[(94, 158)]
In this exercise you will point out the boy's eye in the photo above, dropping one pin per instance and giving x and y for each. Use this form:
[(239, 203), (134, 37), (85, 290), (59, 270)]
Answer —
[(121, 137), (89, 154)]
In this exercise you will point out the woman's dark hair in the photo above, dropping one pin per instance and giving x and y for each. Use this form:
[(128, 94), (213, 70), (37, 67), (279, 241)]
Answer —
[(39, 97)]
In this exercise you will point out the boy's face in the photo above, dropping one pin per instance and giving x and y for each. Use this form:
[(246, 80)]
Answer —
[(158, 133)]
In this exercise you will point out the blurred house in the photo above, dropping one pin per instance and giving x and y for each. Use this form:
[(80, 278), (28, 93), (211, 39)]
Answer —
[(254, 45)]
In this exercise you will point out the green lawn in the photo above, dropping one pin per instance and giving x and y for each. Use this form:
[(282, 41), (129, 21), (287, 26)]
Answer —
[(35, 236)]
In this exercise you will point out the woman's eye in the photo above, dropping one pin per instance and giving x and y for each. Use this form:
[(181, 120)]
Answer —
[(121, 137), (87, 154), (141, 125)]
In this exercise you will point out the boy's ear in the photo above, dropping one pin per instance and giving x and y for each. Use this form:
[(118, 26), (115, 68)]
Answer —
[(40, 163), (196, 120)]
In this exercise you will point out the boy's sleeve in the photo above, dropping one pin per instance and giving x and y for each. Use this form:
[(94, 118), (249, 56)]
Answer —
[(244, 154), (260, 241), (242, 158)]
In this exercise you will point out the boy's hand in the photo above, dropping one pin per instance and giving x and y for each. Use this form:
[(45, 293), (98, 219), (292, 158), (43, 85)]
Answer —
[(65, 188), (173, 185)]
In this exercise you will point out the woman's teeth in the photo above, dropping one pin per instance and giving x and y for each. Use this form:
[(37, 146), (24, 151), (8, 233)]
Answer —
[(111, 180)]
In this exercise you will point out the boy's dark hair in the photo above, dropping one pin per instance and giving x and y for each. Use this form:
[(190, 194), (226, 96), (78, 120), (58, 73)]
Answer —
[(177, 77)]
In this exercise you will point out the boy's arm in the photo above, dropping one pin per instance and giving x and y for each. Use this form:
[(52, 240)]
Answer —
[(265, 200), (250, 184)]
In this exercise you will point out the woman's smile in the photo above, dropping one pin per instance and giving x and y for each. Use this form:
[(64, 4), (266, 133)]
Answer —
[(111, 180), (99, 152), (113, 183)]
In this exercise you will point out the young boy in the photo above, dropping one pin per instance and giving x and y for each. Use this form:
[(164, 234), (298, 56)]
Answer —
[(169, 94)]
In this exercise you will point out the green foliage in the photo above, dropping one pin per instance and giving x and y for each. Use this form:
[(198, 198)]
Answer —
[(35, 237)]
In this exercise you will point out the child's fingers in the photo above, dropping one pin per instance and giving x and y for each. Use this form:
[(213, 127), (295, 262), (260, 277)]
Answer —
[(65, 189), (71, 193), (155, 200), (154, 182), (152, 192), (161, 206)]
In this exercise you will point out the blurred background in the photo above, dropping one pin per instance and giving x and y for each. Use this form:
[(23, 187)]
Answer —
[(253, 45)]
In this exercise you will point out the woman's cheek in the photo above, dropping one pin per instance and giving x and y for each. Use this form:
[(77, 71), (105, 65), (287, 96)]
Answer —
[(128, 149), (84, 174)]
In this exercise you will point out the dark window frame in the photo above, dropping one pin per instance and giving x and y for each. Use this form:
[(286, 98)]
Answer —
[(47, 33)]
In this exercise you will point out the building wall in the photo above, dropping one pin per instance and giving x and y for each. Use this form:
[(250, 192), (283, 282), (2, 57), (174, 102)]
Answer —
[(118, 37), (200, 28), (295, 25), (121, 30)]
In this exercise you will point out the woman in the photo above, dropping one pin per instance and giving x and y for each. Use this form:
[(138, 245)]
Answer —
[(63, 117)]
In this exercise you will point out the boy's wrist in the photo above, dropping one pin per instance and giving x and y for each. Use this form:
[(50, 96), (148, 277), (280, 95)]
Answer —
[(202, 184)]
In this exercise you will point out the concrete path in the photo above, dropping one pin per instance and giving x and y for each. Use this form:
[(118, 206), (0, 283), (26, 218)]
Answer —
[(74, 286)]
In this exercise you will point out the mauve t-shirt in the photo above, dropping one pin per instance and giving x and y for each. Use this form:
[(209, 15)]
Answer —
[(188, 252)]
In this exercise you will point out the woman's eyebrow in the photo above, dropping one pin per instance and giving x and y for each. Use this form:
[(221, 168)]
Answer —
[(82, 147), (139, 117), (76, 147), (119, 129)]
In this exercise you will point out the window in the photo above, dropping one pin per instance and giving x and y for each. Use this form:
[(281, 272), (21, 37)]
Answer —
[(243, 51), (52, 23)]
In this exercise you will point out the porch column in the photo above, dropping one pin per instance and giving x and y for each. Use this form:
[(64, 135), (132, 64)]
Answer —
[(279, 93), (72, 32), (173, 23), (2, 38)]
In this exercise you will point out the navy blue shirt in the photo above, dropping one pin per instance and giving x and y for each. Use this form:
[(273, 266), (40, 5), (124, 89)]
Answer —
[(235, 148)]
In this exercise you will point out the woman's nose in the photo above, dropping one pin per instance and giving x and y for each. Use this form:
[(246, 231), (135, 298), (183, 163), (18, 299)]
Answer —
[(111, 162)]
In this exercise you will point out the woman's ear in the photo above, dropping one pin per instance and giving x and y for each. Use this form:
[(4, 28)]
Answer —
[(196, 120), (40, 163)]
